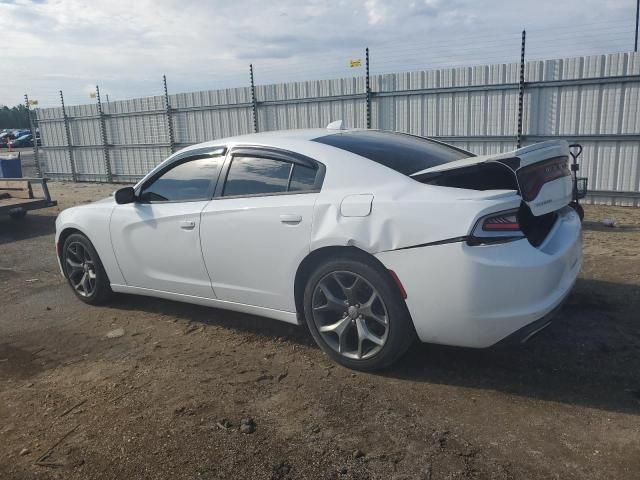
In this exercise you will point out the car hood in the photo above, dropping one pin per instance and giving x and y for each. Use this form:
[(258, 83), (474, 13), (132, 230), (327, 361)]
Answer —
[(73, 212)]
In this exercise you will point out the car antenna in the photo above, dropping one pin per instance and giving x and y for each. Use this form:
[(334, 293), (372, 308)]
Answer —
[(337, 125)]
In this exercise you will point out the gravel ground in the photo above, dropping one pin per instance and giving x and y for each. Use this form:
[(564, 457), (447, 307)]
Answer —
[(146, 388)]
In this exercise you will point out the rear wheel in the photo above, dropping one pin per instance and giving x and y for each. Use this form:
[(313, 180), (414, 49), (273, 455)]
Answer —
[(84, 270), (356, 314)]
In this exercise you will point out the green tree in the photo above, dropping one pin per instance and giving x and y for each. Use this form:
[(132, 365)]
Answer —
[(14, 117)]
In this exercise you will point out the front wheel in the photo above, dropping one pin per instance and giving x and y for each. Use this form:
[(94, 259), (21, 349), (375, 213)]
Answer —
[(84, 270), (356, 314)]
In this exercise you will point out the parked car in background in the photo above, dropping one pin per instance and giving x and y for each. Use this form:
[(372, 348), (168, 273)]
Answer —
[(372, 238), (9, 135), (5, 137), (23, 141)]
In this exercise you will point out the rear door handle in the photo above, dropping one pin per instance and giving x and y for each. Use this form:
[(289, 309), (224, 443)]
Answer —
[(290, 218), (187, 224)]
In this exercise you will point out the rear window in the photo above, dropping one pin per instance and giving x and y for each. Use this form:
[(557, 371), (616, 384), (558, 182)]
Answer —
[(406, 154)]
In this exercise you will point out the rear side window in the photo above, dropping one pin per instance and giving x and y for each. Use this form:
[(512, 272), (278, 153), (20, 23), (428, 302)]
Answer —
[(406, 154), (253, 175), (302, 178), (264, 176), (187, 181)]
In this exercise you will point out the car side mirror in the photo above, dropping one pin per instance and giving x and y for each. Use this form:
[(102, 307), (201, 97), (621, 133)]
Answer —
[(125, 195)]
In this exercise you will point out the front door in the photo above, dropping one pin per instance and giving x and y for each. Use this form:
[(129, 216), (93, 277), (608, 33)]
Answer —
[(157, 238)]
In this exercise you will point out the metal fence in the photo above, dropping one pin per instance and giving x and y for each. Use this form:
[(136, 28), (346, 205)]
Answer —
[(593, 100)]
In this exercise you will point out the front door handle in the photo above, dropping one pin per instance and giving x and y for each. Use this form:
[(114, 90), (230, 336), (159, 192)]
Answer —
[(290, 218), (187, 224)]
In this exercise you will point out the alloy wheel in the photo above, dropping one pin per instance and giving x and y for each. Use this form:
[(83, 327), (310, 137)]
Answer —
[(81, 269), (350, 315)]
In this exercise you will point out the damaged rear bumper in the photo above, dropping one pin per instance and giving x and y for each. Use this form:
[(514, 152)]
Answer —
[(475, 296)]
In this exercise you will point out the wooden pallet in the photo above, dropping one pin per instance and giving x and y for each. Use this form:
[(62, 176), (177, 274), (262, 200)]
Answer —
[(16, 189)]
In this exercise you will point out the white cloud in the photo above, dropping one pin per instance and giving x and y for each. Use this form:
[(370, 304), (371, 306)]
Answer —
[(126, 45), (376, 11)]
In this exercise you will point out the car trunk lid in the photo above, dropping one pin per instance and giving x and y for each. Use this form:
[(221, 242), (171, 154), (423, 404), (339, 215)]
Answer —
[(539, 172)]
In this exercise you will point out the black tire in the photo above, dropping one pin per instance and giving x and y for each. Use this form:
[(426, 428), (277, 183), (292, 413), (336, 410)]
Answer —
[(18, 215), (400, 332), (90, 263)]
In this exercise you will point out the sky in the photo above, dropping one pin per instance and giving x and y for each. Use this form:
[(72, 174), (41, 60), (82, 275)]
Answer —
[(125, 46)]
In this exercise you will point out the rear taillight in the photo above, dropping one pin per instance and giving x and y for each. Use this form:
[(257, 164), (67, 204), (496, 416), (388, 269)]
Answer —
[(496, 228), (506, 222)]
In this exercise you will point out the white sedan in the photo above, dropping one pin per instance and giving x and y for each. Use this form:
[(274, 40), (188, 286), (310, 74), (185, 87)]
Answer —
[(371, 238)]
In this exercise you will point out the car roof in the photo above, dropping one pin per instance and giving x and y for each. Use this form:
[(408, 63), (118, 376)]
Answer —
[(300, 141), (273, 138)]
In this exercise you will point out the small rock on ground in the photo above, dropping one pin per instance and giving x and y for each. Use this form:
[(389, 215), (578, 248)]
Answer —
[(118, 332), (247, 425)]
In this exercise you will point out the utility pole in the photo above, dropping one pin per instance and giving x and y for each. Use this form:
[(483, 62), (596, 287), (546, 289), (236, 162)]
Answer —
[(32, 125), (67, 132), (254, 102), (521, 90), (635, 48), (103, 134), (168, 115), (368, 89)]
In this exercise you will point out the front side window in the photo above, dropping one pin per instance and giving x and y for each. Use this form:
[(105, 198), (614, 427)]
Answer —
[(187, 181), (263, 176)]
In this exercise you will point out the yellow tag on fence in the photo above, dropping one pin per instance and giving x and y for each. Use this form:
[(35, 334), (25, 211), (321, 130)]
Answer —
[(355, 63)]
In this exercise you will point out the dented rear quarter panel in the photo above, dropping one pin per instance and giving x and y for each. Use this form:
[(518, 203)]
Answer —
[(404, 213)]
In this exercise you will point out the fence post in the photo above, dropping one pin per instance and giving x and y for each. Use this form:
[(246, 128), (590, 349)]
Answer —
[(368, 86), (254, 103), (32, 126), (67, 131), (521, 90), (103, 134), (167, 109)]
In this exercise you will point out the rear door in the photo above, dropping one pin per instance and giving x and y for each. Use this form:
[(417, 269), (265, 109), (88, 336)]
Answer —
[(257, 229), (156, 239)]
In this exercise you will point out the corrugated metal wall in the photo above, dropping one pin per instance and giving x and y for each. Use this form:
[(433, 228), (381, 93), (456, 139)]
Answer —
[(591, 100)]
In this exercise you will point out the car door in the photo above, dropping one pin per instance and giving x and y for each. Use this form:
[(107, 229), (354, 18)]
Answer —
[(257, 229), (156, 239)]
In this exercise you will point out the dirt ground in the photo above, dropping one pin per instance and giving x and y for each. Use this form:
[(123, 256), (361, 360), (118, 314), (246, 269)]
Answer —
[(166, 398)]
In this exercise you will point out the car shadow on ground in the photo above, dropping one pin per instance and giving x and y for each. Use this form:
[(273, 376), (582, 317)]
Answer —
[(589, 356), (241, 322), (31, 226)]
